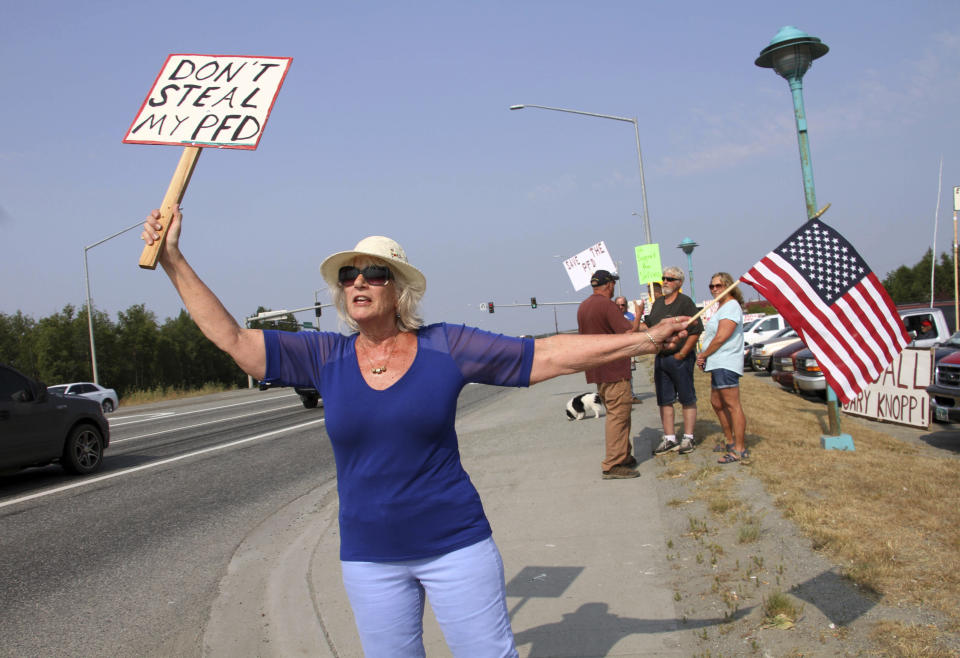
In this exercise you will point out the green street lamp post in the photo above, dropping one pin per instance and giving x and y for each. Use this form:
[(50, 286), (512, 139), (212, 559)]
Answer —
[(790, 53), (687, 245)]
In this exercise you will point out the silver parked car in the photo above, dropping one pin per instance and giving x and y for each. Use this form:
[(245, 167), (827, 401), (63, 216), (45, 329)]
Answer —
[(106, 397), (762, 352), (808, 377)]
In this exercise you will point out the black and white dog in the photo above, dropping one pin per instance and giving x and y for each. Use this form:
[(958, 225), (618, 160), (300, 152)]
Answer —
[(579, 405)]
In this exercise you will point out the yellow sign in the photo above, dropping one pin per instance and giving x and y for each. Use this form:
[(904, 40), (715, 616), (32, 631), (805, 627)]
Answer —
[(648, 263)]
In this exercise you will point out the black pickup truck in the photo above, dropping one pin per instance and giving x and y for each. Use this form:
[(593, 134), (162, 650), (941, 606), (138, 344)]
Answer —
[(309, 396)]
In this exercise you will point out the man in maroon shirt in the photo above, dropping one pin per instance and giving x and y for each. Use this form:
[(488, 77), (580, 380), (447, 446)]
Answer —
[(598, 314)]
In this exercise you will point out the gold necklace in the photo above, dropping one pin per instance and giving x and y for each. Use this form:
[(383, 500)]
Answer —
[(382, 369)]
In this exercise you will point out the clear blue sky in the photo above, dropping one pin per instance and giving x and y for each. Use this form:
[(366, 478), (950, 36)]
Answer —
[(394, 120)]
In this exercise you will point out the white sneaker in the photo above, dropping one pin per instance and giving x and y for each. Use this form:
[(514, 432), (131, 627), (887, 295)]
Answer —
[(686, 445), (666, 446)]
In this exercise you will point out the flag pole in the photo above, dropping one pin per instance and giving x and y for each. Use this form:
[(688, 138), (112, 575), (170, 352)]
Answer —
[(956, 307)]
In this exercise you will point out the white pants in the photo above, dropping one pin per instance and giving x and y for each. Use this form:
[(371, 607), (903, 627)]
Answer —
[(467, 593)]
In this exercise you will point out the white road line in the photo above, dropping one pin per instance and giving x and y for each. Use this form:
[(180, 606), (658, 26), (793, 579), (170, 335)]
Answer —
[(186, 413), (149, 416), (162, 462), (209, 422)]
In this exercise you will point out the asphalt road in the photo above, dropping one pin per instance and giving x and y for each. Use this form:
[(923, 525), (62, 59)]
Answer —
[(127, 562)]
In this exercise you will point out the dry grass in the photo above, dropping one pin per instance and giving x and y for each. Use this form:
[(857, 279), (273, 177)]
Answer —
[(749, 531), (780, 611), (160, 394), (888, 513), (910, 641)]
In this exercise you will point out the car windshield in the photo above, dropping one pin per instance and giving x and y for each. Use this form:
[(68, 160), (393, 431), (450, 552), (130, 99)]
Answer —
[(58, 390), (786, 332), (750, 324), (954, 340)]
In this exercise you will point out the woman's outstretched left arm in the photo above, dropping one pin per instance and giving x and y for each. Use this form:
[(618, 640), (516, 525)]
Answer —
[(565, 354)]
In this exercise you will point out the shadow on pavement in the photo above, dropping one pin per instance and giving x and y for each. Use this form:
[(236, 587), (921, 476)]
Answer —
[(593, 631), (834, 596), (944, 439)]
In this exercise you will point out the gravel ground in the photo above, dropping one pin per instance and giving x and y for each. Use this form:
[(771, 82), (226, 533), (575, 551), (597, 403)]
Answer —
[(717, 574)]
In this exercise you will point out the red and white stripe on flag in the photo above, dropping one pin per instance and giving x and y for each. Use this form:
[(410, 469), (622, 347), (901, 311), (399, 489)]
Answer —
[(825, 290)]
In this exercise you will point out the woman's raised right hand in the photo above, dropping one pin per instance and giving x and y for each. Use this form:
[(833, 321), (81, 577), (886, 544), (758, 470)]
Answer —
[(152, 227)]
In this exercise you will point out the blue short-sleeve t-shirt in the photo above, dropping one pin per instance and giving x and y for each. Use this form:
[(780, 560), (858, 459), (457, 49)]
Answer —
[(403, 492)]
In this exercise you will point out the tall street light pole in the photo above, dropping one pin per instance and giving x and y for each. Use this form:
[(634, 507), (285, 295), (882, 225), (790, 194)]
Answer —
[(86, 276), (790, 53), (636, 130)]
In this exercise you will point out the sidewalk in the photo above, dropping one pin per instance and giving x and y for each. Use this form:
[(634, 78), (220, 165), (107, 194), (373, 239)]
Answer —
[(583, 556)]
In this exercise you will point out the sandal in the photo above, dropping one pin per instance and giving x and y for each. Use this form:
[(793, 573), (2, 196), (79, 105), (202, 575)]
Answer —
[(723, 447), (745, 457), (729, 458)]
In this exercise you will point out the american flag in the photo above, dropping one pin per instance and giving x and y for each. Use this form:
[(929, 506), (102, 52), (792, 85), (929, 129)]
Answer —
[(825, 290)]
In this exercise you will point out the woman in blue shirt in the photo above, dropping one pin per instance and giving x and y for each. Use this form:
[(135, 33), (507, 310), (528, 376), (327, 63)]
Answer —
[(411, 521), (723, 359)]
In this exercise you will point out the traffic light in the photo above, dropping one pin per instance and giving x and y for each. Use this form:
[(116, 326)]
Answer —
[(490, 306), (533, 302), (317, 310)]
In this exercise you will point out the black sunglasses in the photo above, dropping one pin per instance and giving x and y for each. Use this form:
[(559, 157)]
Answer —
[(669, 278), (375, 275), (715, 285)]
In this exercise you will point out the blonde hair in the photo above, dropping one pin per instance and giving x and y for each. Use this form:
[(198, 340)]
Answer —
[(727, 281), (408, 300)]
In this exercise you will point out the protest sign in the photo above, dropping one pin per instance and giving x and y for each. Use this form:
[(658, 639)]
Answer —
[(900, 395), (582, 266), (197, 101), (648, 263), (209, 100)]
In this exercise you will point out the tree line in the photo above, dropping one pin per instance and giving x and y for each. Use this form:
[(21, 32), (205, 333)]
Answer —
[(139, 353), (135, 353), (912, 284)]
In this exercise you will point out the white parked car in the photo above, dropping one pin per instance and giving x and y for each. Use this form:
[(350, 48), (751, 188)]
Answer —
[(107, 397), (763, 328)]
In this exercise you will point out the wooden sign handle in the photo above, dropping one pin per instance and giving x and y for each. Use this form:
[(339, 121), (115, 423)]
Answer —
[(178, 185)]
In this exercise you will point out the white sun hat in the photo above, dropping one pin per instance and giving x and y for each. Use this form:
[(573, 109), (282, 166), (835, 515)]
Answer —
[(380, 247)]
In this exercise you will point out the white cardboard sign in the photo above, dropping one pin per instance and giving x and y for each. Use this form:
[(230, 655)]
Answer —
[(900, 395), (582, 266), (220, 101)]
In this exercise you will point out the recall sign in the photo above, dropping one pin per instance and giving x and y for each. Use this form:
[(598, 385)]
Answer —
[(221, 101), (900, 395)]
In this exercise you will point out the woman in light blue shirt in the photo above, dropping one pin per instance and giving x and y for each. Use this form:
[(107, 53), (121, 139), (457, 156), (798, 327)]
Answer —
[(722, 357)]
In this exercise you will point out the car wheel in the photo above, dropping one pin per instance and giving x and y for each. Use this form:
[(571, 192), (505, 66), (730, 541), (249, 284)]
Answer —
[(83, 452), (107, 406), (309, 401)]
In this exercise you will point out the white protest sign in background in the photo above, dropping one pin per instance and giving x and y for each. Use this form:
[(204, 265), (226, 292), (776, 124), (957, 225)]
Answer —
[(582, 266), (900, 395), (221, 101)]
